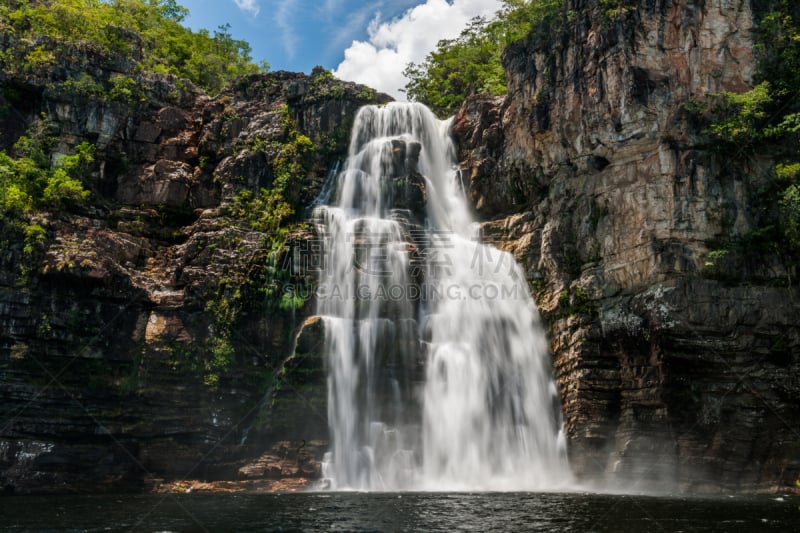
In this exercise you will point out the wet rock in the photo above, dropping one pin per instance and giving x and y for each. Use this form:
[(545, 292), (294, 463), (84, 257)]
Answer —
[(407, 184), (297, 404)]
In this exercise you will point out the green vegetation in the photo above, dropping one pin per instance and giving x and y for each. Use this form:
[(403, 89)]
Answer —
[(263, 212), (260, 289), (224, 308), (293, 161), (470, 63), (616, 9), (267, 210), (42, 34), (575, 303), (766, 121), (457, 68), (322, 77), (29, 181), (222, 354)]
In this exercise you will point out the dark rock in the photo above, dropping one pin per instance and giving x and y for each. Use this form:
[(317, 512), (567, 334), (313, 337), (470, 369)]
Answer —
[(171, 120), (147, 132), (297, 404), (120, 360)]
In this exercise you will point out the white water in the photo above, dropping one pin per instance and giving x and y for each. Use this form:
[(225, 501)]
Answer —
[(447, 392)]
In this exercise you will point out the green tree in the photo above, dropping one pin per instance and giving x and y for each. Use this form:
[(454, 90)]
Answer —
[(458, 67), (31, 181), (147, 31), (471, 63)]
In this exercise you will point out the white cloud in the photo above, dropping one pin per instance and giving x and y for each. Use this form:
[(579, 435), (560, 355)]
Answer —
[(379, 62), (248, 6)]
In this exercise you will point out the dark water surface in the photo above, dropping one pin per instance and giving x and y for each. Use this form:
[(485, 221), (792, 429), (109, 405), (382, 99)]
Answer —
[(398, 512)]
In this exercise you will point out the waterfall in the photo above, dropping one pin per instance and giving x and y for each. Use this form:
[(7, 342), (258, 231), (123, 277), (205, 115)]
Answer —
[(438, 373)]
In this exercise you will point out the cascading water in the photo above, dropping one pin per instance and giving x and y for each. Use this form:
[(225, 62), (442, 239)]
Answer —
[(438, 376)]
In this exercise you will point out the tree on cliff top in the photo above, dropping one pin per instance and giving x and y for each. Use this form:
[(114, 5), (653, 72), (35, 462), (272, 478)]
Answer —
[(44, 32), (470, 63)]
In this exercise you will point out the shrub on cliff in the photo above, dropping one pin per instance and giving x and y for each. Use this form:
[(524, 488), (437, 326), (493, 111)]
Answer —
[(146, 34), (30, 181)]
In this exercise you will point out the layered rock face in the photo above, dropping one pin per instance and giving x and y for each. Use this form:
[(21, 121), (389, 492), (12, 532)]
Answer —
[(149, 336), (594, 175)]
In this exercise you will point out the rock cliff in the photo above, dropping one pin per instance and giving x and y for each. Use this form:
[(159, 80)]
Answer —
[(147, 336), (592, 172)]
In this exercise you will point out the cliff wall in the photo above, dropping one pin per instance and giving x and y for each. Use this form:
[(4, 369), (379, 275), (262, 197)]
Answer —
[(146, 336), (594, 174)]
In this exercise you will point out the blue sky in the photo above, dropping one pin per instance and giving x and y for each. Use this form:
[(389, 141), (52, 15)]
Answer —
[(369, 41)]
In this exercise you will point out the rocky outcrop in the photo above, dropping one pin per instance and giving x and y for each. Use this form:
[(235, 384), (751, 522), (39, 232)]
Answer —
[(142, 338), (594, 175)]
